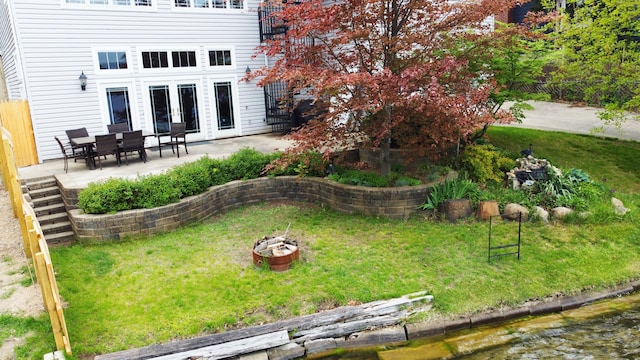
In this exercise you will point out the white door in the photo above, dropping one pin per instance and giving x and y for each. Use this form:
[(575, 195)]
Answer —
[(226, 122), (175, 101)]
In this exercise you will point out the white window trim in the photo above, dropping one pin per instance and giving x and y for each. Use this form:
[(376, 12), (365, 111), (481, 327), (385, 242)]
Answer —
[(213, 111), (218, 68), (210, 8), (86, 5), (96, 61), (171, 68), (102, 85)]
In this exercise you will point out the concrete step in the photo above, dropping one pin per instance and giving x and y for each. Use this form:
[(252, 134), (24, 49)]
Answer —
[(56, 228), (49, 209), (47, 200), (63, 238), (53, 218), (44, 192), (41, 183)]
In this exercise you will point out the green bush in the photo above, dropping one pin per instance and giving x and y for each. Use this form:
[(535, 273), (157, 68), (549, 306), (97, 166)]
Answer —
[(151, 191), (360, 178), (191, 179), (451, 190), (107, 196), (247, 164), (484, 163), (154, 191)]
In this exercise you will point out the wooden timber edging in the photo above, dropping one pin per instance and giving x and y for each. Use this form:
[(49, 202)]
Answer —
[(394, 202), (371, 324)]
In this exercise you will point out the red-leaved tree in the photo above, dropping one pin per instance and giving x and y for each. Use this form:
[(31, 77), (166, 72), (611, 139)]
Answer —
[(387, 70)]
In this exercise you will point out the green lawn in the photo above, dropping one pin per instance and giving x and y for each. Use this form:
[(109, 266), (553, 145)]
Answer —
[(200, 279)]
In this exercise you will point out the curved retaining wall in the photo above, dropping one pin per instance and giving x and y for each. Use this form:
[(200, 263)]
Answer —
[(396, 202)]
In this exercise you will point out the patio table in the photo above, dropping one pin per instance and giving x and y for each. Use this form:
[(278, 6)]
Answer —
[(88, 141)]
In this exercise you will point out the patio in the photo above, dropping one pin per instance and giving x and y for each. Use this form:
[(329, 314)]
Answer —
[(79, 174)]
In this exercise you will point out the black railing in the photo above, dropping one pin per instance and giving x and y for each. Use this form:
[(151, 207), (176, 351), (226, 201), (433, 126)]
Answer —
[(506, 249), (279, 105), (270, 27)]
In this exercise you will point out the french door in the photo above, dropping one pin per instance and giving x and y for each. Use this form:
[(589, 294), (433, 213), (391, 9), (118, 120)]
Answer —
[(225, 109), (175, 101)]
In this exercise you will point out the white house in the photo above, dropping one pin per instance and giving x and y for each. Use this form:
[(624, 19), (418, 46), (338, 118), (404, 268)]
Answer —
[(146, 62)]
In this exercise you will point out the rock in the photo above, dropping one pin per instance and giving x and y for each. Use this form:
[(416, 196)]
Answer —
[(487, 209), (540, 214), (511, 212), (560, 212), (456, 209), (618, 207), (286, 352)]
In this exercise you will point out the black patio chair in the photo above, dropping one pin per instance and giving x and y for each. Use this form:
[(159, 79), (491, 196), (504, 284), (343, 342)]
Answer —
[(118, 128), (106, 145), (67, 153), (133, 141), (177, 136), (76, 133)]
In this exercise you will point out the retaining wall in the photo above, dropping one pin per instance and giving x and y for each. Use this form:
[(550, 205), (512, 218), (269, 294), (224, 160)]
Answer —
[(395, 202)]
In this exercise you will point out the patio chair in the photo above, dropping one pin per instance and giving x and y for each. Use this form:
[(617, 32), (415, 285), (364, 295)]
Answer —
[(133, 141), (67, 153), (177, 136), (76, 133), (106, 145), (118, 128)]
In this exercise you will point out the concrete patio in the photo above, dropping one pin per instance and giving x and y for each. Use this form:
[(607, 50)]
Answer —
[(79, 174)]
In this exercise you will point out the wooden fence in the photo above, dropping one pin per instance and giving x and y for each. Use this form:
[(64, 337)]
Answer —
[(15, 116), (35, 244)]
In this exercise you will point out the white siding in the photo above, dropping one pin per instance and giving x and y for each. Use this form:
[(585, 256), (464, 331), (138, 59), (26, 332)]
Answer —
[(58, 42), (10, 56)]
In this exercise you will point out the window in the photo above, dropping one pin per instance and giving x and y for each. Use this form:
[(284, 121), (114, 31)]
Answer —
[(119, 106), (214, 4), (184, 58), (220, 58), (112, 2), (155, 59), (224, 105), (110, 60)]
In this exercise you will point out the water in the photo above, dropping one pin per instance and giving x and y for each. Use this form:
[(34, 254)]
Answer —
[(613, 336), (609, 330)]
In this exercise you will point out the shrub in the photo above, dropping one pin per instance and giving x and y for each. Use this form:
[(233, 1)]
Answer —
[(154, 191), (484, 163), (191, 179), (309, 163), (360, 178), (451, 190), (107, 196), (247, 164)]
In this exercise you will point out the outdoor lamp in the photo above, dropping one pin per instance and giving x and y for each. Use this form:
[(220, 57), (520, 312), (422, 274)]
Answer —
[(83, 81)]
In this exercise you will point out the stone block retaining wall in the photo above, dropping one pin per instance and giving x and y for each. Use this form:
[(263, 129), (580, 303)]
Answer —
[(396, 202)]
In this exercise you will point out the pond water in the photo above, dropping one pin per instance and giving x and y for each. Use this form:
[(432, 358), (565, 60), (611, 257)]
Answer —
[(608, 330)]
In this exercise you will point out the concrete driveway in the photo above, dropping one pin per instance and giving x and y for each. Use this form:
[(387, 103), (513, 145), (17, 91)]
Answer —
[(575, 119)]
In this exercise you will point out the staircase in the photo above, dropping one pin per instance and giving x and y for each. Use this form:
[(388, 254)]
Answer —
[(46, 200)]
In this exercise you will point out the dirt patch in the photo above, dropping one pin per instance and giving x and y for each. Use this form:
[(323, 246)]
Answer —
[(17, 297)]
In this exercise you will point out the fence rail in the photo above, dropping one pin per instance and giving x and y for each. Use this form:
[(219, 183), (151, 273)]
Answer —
[(34, 243)]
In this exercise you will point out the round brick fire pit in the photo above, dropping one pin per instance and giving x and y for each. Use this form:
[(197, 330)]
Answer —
[(277, 252)]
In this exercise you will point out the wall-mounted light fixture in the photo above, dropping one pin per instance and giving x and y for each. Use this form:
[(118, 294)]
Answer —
[(247, 71), (83, 81)]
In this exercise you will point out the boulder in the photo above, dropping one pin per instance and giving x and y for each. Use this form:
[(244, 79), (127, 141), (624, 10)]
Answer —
[(560, 212), (511, 212), (618, 207), (540, 214), (487, 209)]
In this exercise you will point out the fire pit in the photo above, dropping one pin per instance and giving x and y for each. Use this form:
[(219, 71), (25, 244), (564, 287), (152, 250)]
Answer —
[(276, 252)]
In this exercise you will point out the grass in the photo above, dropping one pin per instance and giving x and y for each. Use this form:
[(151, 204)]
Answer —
[(200, 279)]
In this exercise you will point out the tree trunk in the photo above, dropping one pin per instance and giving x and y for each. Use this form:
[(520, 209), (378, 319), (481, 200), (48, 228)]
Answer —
[(385, 154)]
